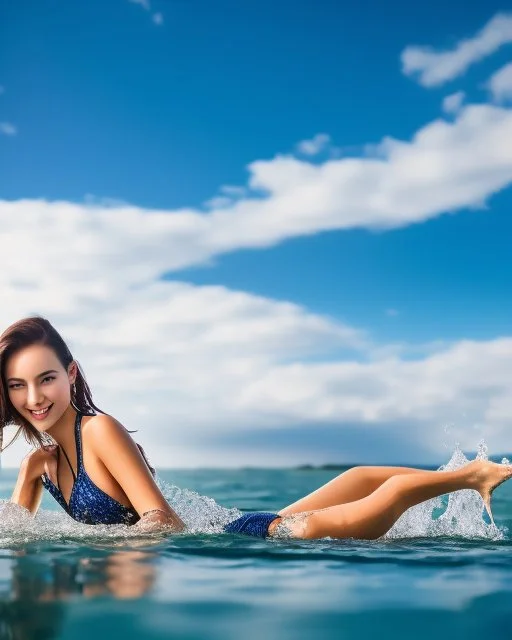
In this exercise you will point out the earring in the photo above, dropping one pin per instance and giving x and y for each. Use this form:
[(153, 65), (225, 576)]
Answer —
[(74, 390)]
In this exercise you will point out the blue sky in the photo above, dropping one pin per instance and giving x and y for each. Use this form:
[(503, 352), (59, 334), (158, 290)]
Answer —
[(108, 106)]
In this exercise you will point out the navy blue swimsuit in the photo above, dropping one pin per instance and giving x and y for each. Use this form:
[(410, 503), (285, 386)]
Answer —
[(252, 524), (91, 505), (88, 503)]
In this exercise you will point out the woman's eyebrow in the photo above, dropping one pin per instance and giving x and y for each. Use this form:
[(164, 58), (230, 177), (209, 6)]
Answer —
[(45, 373)]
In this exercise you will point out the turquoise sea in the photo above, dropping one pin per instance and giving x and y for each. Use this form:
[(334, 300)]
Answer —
[(442, 570)]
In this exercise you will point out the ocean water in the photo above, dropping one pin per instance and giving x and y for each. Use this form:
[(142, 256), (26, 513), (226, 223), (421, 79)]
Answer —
[(442, 570)]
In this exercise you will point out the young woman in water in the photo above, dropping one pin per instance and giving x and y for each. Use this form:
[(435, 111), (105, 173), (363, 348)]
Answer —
[(43, 391)]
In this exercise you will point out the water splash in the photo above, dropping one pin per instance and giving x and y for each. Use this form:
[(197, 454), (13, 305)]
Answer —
[(462, 517), (200, 514)]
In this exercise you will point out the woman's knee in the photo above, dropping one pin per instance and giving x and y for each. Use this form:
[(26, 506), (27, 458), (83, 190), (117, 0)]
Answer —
[(356, 473), (394, 490)]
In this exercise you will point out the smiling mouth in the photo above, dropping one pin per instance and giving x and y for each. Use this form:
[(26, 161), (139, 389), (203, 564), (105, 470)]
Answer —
[(41, 412)]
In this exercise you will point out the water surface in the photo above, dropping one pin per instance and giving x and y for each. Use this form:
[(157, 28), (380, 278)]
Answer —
[(442, 569)]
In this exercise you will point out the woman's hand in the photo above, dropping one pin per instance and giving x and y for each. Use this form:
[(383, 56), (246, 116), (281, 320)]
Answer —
[(159, 520), (42, 460)]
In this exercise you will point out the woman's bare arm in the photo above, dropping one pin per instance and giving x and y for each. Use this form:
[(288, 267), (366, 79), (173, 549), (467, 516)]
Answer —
[(29, 486), (114, 446), (28, 491)]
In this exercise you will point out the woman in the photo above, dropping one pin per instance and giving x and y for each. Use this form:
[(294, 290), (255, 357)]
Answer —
[(43, 391)]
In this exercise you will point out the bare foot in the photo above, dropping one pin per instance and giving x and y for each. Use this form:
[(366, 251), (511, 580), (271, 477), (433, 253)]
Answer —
[(487, 476)]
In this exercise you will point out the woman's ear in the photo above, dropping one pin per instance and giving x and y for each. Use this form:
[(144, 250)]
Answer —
[(72, 372)]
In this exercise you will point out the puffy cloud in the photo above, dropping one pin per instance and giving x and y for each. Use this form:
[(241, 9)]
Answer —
[(433, 68), (168, 355), (500, 84), (313, 146), (446, 167), (429, 389), (193, 365), (453, 102)]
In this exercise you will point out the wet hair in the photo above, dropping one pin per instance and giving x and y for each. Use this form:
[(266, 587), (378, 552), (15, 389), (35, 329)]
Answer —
[(39, 331)]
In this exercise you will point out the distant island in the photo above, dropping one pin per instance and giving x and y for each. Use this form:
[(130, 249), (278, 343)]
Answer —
[(338, 467), (426, 467)]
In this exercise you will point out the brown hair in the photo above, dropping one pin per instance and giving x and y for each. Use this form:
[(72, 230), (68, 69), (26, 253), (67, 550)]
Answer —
[(24, 333)]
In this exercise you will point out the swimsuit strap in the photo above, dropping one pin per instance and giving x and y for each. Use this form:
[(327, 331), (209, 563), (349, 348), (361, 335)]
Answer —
[(77, 446), (78, 441), (64, 452)]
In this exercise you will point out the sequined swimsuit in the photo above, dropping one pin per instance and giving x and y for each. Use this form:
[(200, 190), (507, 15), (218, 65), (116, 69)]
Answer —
[(91, 505), (252, 524), (88, 503)]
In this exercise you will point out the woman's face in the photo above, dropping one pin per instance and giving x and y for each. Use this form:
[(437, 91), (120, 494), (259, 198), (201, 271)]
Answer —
[(36, 380)]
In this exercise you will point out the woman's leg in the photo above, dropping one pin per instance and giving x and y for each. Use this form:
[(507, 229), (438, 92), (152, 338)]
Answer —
[(353, 484), (372, 516)]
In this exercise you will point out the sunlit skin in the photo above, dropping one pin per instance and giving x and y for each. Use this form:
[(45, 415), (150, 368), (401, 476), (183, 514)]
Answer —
[(35, 380)]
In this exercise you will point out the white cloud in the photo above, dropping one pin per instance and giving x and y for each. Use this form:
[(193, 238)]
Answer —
[(187, 363), (183, 360), (433, 68), (8, 129), (469, 376), (233, 191), (453, 102), (313, 146), (230, 195), (167, 355), (143, 3), (447, 166), (500, 84), (219, 202), (157, 17)]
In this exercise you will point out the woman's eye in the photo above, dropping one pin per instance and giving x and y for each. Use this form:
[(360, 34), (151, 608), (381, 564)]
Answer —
[(18, 384)]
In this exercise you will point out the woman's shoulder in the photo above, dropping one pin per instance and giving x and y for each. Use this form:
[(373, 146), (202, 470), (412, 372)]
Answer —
[(99, 423), (104, 433)]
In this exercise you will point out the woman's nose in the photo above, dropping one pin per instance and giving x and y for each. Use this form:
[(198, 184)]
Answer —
[(34, 396)]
